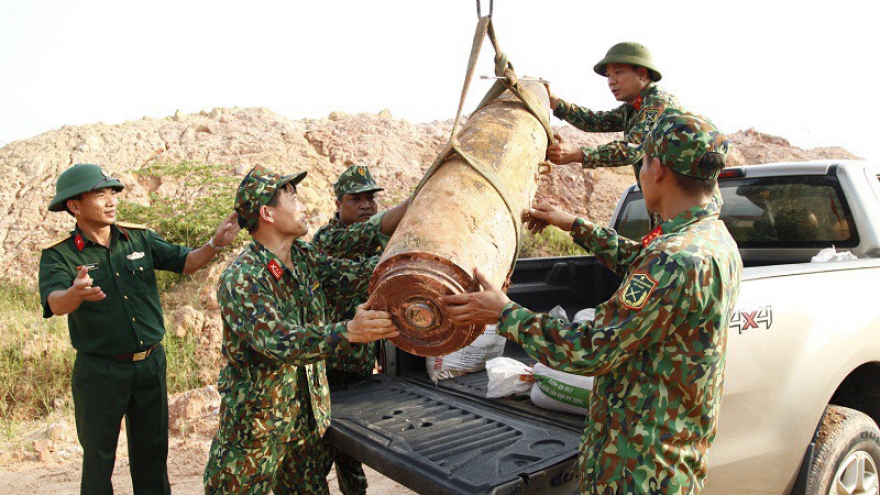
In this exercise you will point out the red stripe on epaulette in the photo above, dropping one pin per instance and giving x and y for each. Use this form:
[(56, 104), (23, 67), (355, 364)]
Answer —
[(79, 242), (275, 269), (637, 104), (652, 235)]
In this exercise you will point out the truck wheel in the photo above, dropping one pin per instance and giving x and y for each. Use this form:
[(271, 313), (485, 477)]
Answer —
[(847, 454)]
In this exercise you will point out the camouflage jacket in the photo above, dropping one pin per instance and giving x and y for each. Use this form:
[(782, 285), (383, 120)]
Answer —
[(276, 335), (657, 348), (634, 120), (356, 242)]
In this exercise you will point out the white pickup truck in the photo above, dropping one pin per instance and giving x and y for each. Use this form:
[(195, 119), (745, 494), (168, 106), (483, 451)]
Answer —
[(802, 389)]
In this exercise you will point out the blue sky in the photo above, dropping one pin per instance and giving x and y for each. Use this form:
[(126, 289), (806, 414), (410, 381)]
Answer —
[(801, 70)]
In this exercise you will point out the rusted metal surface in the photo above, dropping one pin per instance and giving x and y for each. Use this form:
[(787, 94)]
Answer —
[(459, 222)]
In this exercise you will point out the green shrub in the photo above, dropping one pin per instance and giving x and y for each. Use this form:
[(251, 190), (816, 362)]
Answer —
[(190, 218)]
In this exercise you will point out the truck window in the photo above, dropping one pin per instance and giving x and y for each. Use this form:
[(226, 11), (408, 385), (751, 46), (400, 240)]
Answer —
[(770, 212)]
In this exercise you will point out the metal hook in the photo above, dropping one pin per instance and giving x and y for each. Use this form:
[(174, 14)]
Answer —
[(545, 168)]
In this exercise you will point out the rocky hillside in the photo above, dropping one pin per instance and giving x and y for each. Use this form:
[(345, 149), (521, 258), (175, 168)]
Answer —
[(397, 151)]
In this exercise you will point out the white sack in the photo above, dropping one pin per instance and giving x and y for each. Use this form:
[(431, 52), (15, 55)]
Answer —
[(507, 377), (468, 359)]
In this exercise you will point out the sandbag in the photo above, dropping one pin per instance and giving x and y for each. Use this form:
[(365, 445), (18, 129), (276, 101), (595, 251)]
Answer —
[(560, 391), (469, 359)]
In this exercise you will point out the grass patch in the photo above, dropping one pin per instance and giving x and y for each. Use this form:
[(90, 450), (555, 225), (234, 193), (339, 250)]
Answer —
[(183, 369), (35, 357), (551, 242)]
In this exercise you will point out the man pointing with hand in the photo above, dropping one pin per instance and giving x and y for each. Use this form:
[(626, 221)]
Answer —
[(102, 275)]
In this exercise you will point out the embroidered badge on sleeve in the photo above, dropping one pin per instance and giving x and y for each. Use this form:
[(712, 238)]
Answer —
[(637, 290)]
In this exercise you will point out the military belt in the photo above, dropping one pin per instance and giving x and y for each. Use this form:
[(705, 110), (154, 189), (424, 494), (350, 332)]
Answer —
[(135, 356)]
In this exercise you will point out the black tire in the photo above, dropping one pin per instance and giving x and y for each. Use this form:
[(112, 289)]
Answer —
[(847, 454)]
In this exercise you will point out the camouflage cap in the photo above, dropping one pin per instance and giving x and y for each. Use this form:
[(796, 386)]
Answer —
[(355, 180), (256, 189), (680, 140)]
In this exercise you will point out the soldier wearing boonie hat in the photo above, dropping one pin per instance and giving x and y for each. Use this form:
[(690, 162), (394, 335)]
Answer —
[(632, 78), (661, 337), (356, 232), (276, 303), (102, 276)]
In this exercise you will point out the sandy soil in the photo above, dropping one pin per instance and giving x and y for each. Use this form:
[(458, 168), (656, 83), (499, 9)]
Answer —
[(48, 461)]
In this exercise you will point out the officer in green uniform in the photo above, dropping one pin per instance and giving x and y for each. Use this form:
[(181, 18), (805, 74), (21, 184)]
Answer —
[(102, 275), (632, 78), (356, 232), (277, 332), (658, 346)]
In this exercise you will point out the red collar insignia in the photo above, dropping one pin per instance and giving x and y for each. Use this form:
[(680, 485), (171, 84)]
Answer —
[(637, 104), (79, 242), (652, 235), (275, 269)]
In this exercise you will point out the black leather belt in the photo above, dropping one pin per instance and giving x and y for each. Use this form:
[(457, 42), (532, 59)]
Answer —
[(136, 356)]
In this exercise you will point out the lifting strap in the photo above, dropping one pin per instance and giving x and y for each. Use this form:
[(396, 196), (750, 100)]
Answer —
[(504, 69)]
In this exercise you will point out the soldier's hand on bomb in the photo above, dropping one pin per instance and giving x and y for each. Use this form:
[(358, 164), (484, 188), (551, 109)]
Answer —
[(369, 325), (476, 308), (564, 152), (82, 287), (543, 214)]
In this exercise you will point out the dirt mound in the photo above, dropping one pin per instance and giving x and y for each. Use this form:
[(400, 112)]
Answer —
[(397, 151)]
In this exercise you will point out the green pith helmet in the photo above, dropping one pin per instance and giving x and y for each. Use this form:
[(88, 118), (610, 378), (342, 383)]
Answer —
[(78, 179), (628, 53)]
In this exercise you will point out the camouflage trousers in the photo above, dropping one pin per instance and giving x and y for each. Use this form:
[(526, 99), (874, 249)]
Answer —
[(298, 467)]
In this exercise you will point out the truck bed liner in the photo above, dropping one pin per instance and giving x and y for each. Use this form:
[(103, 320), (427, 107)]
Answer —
[(458, 444)]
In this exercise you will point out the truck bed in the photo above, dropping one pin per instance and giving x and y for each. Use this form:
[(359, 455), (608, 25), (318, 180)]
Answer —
[(449, 438), (459, 441)]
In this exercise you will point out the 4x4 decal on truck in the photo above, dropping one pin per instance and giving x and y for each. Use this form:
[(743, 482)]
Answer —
[(745, 319)]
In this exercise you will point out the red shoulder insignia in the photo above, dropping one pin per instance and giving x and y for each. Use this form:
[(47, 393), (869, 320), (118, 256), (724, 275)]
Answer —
[(637, 104), (652, 235), (275, 269), (79, 242)]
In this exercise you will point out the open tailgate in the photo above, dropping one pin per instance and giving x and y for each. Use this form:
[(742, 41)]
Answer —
[(437, 441)]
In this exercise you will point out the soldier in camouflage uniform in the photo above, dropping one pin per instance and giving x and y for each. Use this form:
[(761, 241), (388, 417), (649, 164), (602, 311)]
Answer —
[(632, 79), (356, 232), (658, 346), (276, 334)]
